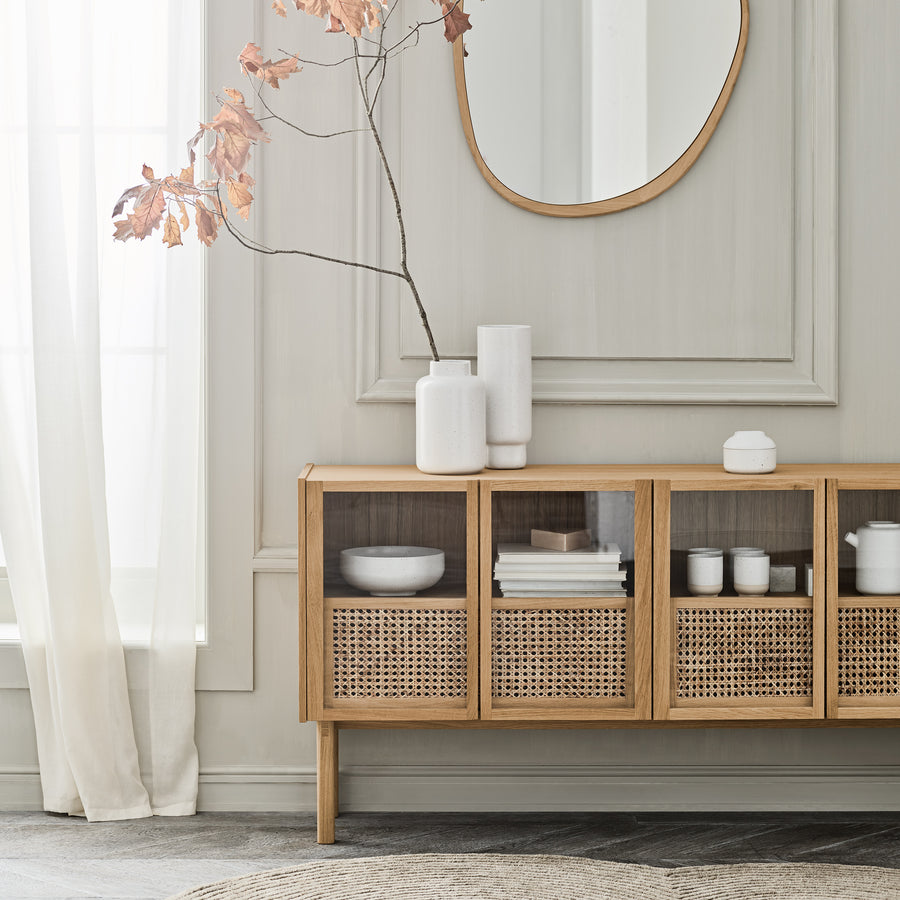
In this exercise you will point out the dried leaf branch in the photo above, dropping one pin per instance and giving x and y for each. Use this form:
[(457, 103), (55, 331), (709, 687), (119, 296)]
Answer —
[(164, 202)]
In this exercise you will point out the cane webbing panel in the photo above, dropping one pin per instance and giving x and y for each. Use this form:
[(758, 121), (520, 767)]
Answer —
[(723, 653), (399, 653), (868, 651), (559, 653)]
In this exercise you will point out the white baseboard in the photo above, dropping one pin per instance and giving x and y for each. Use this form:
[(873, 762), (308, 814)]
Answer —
[(530, 788)]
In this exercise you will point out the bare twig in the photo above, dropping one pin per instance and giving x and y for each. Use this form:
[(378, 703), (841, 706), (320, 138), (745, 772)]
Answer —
[(257, 247), (398, 210), (257, 89)]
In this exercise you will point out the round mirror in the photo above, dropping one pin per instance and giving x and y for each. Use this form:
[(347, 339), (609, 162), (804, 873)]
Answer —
[(592, 106)]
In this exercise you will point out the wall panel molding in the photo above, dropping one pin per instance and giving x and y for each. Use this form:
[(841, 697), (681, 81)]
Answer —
[(387, 369)]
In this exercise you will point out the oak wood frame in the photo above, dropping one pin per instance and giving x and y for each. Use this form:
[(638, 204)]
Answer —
[(852, 707), (321, 706), (639, 615), (639, 195), (665, 704)]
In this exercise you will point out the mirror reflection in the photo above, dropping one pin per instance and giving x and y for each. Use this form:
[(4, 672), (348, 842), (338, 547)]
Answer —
[(594, 98)]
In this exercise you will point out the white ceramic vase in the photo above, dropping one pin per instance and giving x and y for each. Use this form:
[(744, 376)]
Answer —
[(504, 362), (450, 419)]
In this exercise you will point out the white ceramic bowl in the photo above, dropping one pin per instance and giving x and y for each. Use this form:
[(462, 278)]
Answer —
[(393, 571)]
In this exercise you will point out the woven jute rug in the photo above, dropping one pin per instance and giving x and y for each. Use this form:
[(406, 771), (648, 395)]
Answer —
[(437, 876)]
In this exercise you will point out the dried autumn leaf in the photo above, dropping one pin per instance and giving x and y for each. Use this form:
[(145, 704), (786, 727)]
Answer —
[(148, 211), (320, 8), (185, 221), (279, 7), (171, 232), (234, 112), (240, 197), (230, 153), (455, 20), (193, 143), (352, 15), (207, 224), (130, 194), (335, 25), (268, 71), (123, 229), (147, 172)]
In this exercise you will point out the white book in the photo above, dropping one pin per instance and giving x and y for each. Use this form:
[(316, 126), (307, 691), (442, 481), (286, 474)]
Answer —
[(541, 573), (531, 594), (607, 552), (535, 573), (559, 586)]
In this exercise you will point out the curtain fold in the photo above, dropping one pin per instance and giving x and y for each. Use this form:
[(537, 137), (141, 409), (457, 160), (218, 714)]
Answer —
[(101, 473)]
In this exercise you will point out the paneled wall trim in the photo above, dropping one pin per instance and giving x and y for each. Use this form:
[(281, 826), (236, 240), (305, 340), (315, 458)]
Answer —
[(792, 356)]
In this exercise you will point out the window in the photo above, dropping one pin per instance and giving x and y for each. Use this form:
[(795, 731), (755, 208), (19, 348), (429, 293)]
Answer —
[(137, 102)]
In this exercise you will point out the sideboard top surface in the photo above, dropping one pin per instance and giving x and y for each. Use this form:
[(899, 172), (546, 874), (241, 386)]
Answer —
[(870, 474)]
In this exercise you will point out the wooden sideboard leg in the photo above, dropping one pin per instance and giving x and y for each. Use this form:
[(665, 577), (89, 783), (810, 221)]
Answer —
[(326, 780), (336, 788)]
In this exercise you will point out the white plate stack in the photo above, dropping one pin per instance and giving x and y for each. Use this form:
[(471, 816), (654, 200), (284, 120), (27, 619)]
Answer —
[(527, 571)]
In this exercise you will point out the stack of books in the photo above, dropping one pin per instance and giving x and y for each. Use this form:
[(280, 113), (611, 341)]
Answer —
[(527, 571)]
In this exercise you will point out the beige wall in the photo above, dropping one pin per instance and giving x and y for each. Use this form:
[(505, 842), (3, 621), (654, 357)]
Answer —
[(253, 753)]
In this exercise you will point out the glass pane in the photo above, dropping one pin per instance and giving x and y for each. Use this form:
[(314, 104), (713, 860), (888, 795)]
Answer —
[(778, 522), (420, 519)]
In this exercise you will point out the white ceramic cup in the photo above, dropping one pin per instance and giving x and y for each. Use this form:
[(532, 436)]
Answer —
[(704, 572), (751, 574), (739, 551)]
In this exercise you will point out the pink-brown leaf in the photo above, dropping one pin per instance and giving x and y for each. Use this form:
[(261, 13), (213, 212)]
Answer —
[(320, 8), (352, 15), (147, 172), (335, 25), (240, 197), (193, 143), (123, 229), (279, 8), (207, 224), (456, 22), (234, 113), (130, 194), (268, 71), (148, 211), (171, 232)]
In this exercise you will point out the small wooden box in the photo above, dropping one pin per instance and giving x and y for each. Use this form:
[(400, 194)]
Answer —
[(560, 540)]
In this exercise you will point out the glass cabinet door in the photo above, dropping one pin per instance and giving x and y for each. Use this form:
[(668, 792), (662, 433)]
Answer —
[(565, 633), (750, 646), (382, 646), (864, 598)]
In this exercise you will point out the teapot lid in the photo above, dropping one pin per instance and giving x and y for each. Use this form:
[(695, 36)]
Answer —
[(882, 525)]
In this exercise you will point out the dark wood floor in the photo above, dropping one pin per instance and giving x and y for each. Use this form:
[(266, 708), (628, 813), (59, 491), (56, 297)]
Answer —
[(49, 857)]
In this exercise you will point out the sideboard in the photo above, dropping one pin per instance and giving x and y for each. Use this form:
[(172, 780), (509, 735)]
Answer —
[(462, 655)]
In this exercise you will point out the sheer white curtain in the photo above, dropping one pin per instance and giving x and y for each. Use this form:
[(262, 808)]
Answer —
[(101, 474)]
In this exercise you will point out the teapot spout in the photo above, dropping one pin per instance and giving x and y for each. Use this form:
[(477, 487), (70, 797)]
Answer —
[(851, 539)]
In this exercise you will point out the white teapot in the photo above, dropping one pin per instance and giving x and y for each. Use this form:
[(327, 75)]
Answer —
[(877, 557)]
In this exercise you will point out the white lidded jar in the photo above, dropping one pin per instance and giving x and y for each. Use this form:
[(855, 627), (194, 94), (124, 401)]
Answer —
[(749, 453), (504, 362), (450, 419)]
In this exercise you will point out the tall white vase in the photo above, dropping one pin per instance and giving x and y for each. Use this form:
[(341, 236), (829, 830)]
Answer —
[(504, 362), (450, 419)]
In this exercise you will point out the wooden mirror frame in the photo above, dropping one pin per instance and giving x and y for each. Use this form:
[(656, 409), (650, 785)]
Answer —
[(640, 195)]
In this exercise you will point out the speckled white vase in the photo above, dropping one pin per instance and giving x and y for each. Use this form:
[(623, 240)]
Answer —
[(450, 420), (749, 453), (504, 362)]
